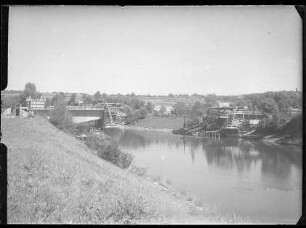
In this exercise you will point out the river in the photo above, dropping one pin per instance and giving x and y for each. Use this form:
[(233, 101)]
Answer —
[(249, 178)]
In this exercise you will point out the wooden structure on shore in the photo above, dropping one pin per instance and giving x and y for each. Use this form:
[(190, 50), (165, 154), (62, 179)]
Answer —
[(239, 121), (209, 134)]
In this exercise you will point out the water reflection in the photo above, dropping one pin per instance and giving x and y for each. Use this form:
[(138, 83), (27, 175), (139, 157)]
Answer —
[(139, 139), (238, 173), (227, 153)]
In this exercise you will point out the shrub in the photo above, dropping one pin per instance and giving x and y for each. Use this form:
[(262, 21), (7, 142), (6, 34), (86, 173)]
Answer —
[(60, 117), (130, 209), (108, 150)]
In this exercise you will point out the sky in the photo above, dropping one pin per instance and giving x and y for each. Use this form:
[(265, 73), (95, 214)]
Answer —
[(228, 50)]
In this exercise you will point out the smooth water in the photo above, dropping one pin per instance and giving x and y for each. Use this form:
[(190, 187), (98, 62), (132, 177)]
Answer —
[(245, 177)]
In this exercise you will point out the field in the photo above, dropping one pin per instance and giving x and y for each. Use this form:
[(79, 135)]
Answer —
[(54, 178), (169, 101), (161, 122)]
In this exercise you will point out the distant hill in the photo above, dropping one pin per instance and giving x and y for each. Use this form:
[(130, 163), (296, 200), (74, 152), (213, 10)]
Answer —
[(11, 93), (170, 101)]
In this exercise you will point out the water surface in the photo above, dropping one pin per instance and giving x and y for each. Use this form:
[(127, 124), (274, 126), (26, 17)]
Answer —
[(246, 177)]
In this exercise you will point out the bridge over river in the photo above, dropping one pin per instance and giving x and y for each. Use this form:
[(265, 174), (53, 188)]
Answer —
[(109, 113), (79, 115)]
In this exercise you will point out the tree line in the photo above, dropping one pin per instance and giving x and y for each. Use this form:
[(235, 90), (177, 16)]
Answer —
[(278, 104)]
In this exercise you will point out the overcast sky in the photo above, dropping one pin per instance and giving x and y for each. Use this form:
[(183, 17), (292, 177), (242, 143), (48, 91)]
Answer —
[(155, 50)]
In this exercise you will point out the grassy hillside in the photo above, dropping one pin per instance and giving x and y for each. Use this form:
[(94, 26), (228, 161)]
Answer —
[(293, 128), (290, 133), (54, 178)]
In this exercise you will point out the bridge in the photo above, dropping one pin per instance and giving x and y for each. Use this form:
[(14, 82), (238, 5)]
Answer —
[(108, 113), (84, 114)]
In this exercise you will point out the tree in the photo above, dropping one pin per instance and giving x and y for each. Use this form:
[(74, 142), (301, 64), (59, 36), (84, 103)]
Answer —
[(48, 102), (170, 95), (10, 102), (162, 110), (199, 109), (255, 108), (268, 105), (242, 101), (97, 95), (72, 100), (30, 90), (56, 97), (150, 107), (211, 99), (60, 117), (136, 103), (129, 113), (143, 113), (87, 99), (181, 109)]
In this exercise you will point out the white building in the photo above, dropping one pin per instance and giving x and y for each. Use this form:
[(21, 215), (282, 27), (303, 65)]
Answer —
[(168, 111), (224, 104), (36, 104), (295, 111)]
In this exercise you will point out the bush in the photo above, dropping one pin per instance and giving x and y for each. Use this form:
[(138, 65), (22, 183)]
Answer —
[(60, 117), (108, 150), (129, 209), (143, 113)]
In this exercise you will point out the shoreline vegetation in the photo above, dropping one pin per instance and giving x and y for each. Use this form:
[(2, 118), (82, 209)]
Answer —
[(55, 178), (285, 136)]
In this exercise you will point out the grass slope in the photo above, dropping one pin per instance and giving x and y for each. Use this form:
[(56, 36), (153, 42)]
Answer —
[(54, 178), (290, 133)]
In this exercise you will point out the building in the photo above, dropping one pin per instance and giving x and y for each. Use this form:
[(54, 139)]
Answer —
[(169, 109), (224, 104), (36, 104), (157, 108), (295, 112)]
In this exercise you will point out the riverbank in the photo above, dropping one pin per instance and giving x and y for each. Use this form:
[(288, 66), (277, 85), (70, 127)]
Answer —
[(288, 135), (55, 178), (134, 127), (282, 140)]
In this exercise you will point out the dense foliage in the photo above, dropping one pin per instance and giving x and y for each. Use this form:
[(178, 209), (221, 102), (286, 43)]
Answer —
[(29, 91), (277, 104), (60, 117), (108, 150)]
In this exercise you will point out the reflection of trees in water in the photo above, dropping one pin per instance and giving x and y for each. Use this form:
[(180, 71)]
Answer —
[(140, 139), (276, 161), (276, 164), (227, 153)]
